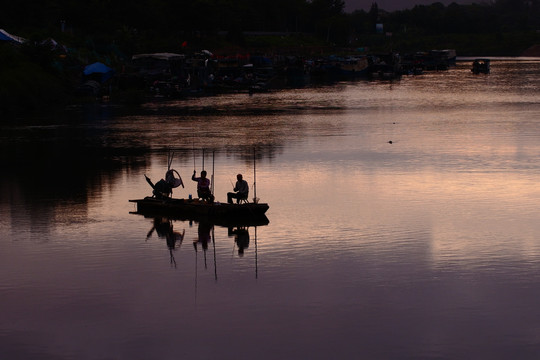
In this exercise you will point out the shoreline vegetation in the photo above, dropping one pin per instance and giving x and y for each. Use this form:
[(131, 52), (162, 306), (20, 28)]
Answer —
[(44, 72)]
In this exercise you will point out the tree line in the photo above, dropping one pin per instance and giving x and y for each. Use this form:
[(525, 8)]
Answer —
[(34, 78), (161, 25)]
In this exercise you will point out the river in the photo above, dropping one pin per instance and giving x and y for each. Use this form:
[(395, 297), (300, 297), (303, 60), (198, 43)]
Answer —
[(403, 224)]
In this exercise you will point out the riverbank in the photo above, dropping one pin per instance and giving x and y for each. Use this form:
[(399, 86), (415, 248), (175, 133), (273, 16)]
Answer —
[(38, 81)]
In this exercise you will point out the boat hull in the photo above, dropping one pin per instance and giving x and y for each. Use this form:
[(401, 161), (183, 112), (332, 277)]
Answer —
[(194, 209)]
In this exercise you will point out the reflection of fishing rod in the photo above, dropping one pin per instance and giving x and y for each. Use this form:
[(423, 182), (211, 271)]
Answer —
[(214, 246), (173, 261), (205, 265), (255, 200), (173, 247), (196, 258), (256, 263)]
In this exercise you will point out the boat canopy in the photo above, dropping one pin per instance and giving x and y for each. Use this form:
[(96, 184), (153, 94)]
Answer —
[(159, 56)]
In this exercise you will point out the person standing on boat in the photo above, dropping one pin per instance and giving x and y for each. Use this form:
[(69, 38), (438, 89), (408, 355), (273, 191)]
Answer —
[(241, 190), (203, 186)]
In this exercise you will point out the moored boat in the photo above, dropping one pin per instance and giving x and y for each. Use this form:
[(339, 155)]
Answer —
[(481, 66), (385, 67)]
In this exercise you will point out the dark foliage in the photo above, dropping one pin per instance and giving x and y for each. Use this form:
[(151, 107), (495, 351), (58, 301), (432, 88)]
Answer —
[(111, 31), (161, 25)]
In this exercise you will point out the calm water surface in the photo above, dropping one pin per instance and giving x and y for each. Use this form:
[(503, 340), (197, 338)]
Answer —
[(427, 247)]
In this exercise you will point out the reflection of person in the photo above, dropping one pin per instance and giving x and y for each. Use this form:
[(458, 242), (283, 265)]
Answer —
[(203, 186), (241, 190), (241, 238), (164, 228), (204, 236)]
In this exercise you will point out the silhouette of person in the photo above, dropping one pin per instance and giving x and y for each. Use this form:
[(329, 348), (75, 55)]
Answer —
[(203, 186), (241, 190)]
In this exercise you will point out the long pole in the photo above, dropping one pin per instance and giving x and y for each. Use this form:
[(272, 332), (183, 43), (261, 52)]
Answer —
[(202, 159), (170, 159), (193, 146), (213, 170), (254, 178)]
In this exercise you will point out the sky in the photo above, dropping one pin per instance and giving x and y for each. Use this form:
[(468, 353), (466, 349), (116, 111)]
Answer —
[(393, 5)]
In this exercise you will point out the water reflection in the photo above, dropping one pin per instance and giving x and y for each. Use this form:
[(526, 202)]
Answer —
[(372, 245), (204, 236), (241, 238), (164, 229)]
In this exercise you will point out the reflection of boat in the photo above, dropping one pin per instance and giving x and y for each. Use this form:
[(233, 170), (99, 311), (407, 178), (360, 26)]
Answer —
[(204, 239), (481, 66), (195, 209)]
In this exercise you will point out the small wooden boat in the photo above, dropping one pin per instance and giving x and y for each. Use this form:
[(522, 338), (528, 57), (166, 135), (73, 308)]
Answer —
[(481, 66), (195, 209), (163, 204)]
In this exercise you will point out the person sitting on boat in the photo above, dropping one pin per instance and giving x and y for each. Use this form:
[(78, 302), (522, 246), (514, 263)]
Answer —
[(161, 190), (241, 190), (203, 186)]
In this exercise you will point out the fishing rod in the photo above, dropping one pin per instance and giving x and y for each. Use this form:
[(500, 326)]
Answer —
[(193, 145), (203, 159), (170, 156), (213, 170), (255, 200)]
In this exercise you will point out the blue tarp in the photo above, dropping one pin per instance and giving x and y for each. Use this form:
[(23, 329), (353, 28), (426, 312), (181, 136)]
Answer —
[(5, 36), (99, 68)]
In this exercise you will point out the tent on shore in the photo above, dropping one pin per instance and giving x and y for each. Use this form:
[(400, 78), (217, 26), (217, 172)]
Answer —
[(98, 71)]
